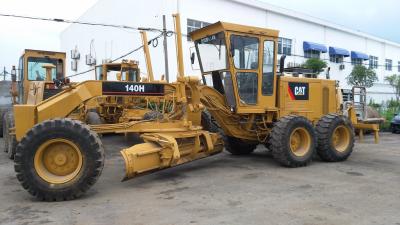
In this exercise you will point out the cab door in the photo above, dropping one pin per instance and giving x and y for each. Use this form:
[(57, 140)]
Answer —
[(268, 74), (253, 65)]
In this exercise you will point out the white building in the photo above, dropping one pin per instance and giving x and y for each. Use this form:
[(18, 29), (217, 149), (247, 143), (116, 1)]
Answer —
[(301, 36)]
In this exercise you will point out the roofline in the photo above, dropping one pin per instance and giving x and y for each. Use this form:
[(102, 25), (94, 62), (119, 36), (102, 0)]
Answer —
[(80, 17), (285, 12), (231, 27), (44, 51), (311, 19)]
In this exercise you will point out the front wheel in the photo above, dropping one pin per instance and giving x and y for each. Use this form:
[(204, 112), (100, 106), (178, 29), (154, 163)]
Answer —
[(59, 160)]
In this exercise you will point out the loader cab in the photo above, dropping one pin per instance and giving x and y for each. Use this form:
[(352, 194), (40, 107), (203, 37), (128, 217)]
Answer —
[(36, 70), (124, 71), (239, 61)]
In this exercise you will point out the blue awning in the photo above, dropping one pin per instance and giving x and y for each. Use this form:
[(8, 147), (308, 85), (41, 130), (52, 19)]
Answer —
[(359, 55), (338, 51), (308, 46)]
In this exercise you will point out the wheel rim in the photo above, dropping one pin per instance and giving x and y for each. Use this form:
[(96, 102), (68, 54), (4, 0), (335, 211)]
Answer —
[(341, 138), (58, 161), (300, 142)]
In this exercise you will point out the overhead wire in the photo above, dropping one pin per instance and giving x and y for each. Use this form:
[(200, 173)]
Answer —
[(153, 42), (59, 20)]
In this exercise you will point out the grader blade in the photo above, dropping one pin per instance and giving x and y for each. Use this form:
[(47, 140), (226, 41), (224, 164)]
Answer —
[(161, 151)]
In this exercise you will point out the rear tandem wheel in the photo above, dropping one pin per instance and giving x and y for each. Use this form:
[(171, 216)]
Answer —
[(293, 141), (335, 135)]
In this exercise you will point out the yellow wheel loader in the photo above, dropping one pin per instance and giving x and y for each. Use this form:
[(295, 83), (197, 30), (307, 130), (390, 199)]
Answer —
[(297, 117), (32, 84)]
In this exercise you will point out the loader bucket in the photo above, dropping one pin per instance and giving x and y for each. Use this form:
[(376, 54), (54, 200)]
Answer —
[(162, 151)]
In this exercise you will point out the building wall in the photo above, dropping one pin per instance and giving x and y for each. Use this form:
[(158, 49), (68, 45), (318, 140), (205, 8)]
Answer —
[(291, 25)]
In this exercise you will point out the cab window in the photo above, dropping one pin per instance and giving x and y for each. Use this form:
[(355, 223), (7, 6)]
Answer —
[(245, 52), (268, 68), (36, 71), (248, 87), (212, 53), (130, 75)]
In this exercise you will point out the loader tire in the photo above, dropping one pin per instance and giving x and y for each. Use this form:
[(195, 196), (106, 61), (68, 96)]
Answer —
[(10, 142), (236, 146), (335, 138), (59, 160), (3, 112), (93, 118), (293, 141)]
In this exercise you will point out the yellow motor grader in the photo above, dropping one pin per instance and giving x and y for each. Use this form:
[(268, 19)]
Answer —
[(296, 117)]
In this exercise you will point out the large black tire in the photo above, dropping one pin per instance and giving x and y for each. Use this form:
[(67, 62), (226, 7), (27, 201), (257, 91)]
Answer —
[(11, 139), (89, 147), (326, 128), (2, 120), (286, 129), (10, 142), (93, 118), (236, 146), (208, 124)]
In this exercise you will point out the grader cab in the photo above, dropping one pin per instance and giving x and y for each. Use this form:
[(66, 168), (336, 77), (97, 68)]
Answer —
[(242, 96)]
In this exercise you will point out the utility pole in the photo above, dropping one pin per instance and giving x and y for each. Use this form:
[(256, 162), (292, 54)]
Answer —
[(165, 48)]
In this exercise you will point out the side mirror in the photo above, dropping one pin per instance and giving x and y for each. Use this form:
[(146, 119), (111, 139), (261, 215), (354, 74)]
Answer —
[(282, 64), (192, 58)]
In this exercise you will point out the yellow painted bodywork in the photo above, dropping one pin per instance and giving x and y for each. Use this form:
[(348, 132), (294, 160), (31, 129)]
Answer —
[(317, 105)]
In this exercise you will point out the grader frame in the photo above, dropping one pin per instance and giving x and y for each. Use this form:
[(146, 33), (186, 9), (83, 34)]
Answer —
[(294, 117)]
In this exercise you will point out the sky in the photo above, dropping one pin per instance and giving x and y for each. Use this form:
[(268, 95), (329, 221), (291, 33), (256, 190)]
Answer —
[(377, 17), (18, 34)]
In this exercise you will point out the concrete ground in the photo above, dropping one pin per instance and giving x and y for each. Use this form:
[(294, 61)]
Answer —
[(226, 190)]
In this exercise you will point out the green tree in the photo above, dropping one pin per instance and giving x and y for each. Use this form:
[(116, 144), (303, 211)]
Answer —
[(316, 65), (362, 76), (394, 81)]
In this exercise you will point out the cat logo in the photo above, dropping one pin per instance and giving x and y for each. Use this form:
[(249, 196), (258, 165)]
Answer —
[(298, 91)]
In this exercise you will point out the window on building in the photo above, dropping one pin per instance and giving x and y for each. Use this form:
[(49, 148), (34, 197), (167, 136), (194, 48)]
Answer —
[(285, 46), (388, 64), (312, 54), (336, 58), (193, 25), (355, 61), (373, 62)]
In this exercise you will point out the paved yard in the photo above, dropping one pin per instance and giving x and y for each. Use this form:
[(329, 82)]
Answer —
[(226, 190)]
